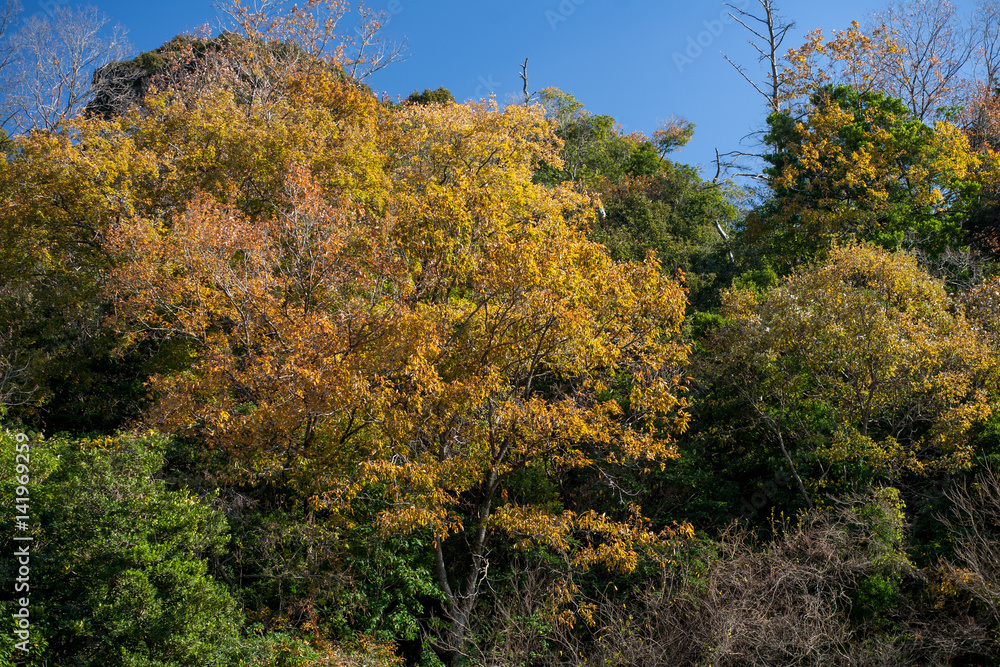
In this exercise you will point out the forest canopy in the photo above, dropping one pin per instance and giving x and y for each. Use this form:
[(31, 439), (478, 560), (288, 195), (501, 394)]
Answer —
[(313, 377)]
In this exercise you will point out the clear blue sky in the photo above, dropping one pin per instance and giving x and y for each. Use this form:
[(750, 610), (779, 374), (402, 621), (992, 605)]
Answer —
[(637, 60)]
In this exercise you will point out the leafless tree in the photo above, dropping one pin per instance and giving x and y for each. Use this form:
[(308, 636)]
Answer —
[(785, 600), (937, 47), (54, 60), (975, 525), (8, 12), (960, 268), (371, 50), (16, 388), (981, 116), (768, 34), (315, 26), (524, 81), (986, 27)]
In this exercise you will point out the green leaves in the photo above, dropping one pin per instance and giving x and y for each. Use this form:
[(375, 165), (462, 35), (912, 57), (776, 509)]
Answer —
[(864, 354), (121, 573), (859, 167)]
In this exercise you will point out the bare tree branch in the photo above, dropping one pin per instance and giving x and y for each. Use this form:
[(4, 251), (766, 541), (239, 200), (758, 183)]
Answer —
[(937, 46), (986, 24), (371, 50), (55, 59), (10, 9), (524, 79), (771, 35)]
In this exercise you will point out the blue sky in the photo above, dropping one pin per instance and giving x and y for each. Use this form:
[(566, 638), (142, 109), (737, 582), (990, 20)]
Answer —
[(637, 60)]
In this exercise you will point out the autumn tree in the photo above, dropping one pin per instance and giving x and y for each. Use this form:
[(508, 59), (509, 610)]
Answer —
[(853, 155), (858, 165), (60, 192), (852, 57), (388, 304), (980, 113), (672, 134), (857, 368), (980, 117), (316, 27), (915, 52), (59, 201)]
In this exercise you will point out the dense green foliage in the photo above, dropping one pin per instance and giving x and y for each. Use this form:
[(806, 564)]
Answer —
[(120, 561), (439, 96)]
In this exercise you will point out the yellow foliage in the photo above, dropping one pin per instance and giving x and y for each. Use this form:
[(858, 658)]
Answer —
[(869, 341), (850, 57), (383, 297)]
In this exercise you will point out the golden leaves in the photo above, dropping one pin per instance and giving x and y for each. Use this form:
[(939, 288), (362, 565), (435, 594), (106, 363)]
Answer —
[(586, 539), (870, 341), (850, 57), (387, 300)]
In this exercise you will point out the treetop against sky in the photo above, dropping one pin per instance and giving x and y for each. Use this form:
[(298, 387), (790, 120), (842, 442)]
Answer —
[(640, 61)]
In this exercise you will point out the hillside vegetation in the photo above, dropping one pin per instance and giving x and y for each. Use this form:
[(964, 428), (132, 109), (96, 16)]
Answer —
[(313, 378)]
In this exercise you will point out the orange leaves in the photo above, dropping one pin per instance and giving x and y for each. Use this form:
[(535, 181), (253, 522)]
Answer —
[(981, 118), (209, 134), (851, 57), (268, 302), (385, 300), (356, 299)]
